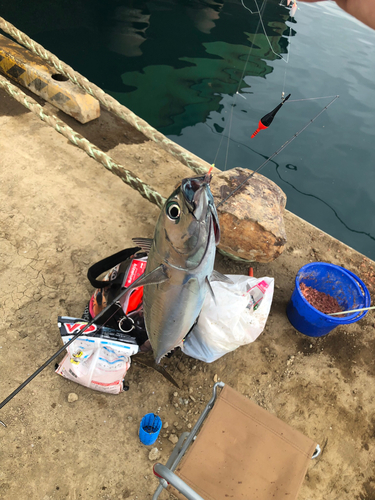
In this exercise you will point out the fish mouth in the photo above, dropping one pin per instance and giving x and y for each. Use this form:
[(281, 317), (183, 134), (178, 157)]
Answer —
[(199, 199), (192, 188), (215, 223)]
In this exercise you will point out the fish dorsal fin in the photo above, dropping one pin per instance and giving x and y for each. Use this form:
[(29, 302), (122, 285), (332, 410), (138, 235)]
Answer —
[(216, 276), (210, 290), (144, 243)]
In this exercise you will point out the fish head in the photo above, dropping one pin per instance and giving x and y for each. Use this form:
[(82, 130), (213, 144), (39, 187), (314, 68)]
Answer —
[(188, 222)]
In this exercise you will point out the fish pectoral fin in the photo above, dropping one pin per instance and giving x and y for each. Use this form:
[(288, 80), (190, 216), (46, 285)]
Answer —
[(156, 276), (216, 276), (144, 243), (210, 290)]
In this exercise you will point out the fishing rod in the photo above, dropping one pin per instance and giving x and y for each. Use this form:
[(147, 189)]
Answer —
[(62, 349), (276, 152), (141, 281)]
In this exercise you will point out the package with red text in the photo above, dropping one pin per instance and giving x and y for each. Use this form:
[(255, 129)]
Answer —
[(135, 270), (99, 359)]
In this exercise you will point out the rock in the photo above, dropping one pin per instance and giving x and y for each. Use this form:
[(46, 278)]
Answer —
[(180, 367), (165, 425), (215, 378), (173, 438), (72, 396), (251, 221), (154, 454)]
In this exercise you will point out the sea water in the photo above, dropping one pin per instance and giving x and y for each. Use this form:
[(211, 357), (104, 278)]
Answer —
[(205, 72)]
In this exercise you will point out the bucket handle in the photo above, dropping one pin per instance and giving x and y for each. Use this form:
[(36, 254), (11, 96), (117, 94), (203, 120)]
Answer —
[(366, 293)]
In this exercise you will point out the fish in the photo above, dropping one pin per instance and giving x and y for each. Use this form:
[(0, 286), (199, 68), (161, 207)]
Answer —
[(180, 264)]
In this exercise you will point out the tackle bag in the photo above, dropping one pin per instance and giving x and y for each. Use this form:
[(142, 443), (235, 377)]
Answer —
[(100, 358), (122, 269), (236, 317)]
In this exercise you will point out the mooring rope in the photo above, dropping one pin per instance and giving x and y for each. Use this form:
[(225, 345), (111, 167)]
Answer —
[(125, 175), (196, 164)]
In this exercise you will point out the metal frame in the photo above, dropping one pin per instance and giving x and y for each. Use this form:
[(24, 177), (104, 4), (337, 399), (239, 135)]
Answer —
[(166, 474)]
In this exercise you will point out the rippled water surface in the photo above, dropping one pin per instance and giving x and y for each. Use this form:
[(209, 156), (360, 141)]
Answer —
[(180, 63)]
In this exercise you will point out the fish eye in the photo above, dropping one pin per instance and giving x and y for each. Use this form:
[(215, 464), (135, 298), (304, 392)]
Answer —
[(173, 211)]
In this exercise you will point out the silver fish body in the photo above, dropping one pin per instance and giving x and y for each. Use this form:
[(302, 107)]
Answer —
[(184, 247)]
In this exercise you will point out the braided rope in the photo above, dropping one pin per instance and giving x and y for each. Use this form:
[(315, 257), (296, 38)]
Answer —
[(196, 164), (125, 175)]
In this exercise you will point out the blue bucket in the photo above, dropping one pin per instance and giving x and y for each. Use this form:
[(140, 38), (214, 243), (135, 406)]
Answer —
[(149, 428), (341, 284)]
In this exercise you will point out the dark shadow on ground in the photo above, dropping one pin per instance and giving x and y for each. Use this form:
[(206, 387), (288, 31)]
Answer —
[(105, 132)]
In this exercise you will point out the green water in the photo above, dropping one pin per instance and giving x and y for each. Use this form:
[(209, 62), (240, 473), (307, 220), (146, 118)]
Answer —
[(179, 64)]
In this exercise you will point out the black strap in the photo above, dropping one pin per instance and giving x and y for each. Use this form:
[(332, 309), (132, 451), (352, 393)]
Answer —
[(104, 265)]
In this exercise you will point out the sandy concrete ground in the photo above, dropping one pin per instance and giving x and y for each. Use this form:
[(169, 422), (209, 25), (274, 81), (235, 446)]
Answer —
[(60, 212)]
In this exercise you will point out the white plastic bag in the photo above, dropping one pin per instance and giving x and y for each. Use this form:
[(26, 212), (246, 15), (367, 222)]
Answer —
[(238, 317)]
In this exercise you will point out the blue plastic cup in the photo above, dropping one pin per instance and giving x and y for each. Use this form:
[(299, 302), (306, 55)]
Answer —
[(341, 284), (149, 428)]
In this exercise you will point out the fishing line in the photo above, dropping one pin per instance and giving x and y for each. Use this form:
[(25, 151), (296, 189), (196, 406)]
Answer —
[(229, 133), (241, 144), (251, 12), (325, 203), (287, 61), (212, 129), (268, 40), (260, 11), (237, 91), (276, 152), (312, 98), (221, 140)]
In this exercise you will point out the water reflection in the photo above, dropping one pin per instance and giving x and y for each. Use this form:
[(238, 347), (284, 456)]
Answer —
[(196, 51), (203, 13), (128, 26)]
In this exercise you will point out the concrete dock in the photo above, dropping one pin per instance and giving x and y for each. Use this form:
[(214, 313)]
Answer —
[(61, 211)]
